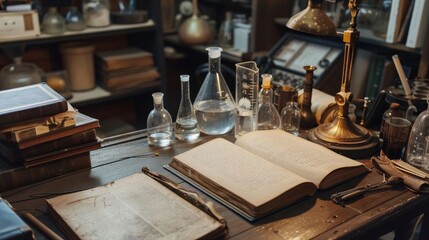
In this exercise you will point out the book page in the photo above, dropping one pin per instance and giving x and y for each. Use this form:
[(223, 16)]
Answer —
[(135, 207), (240, 171), (296, 154)]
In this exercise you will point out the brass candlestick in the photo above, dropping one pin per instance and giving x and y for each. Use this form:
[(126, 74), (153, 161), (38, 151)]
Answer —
[(341, 135)]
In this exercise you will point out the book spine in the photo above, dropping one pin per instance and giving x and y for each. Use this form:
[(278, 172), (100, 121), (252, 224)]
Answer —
[(21, 176), (61, 143), (37, 112), (418, 25), (393, 21)]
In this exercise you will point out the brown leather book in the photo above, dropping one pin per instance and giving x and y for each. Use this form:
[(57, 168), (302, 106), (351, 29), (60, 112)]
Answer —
[(83, 123), (15, 175), (124, 58), (16, 155), (33, 101)]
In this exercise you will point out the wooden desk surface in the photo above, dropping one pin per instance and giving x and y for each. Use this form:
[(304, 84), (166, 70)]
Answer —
[(316, 217)]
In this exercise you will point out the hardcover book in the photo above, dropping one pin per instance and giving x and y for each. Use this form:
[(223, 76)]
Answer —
[(15, 175), (134, 207), (16, 155), (263, 171), (33, 101), (83, 123), (11, 225), (32, 128), (124, 58)]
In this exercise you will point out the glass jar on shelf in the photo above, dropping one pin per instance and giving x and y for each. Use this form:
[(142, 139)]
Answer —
[(96, 13), (74, 20), (53, 22)]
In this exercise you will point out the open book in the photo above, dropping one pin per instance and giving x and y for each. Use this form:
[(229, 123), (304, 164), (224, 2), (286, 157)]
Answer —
[(263, 171), (134, 207)]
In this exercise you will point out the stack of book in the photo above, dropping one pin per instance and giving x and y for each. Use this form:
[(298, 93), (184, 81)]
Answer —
[(39, 129), (125, 68)]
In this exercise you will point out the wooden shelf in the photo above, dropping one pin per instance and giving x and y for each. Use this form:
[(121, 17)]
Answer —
[(113, 29), (99, 94)]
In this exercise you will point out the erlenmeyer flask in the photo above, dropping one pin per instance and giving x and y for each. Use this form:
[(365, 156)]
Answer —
[(186, 127), (246, 94), (214, 105)]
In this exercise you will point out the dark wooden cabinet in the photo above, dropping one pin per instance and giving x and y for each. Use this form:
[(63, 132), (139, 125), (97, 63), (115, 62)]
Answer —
[(130, 106)]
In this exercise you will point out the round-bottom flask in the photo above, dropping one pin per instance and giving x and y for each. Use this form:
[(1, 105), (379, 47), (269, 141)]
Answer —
[(159, 123)]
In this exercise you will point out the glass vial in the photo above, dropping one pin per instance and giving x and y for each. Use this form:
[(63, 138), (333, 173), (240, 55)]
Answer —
[(226, 31), (291, 117), (53, 22), (308, 120), (268, 116), (246, 94), (159, 123), (214, 105), (417, 143), (186, 127)]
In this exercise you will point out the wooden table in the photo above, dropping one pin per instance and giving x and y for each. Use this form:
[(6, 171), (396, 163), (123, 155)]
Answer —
[(316, 217)]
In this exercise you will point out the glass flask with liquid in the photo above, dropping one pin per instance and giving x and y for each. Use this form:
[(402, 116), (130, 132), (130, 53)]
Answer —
[(268, 116), (159, 123), (417, 149), (214, 105), (246, 95), (186, 127)]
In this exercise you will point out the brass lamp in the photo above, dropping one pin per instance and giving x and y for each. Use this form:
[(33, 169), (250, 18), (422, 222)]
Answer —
[(340, 135)]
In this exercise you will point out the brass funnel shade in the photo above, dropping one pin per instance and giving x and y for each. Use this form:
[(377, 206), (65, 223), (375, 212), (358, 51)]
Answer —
[(195, 30), (313, 20)]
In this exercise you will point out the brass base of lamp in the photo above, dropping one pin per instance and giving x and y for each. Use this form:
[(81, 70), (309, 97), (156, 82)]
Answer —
[(346, 138)]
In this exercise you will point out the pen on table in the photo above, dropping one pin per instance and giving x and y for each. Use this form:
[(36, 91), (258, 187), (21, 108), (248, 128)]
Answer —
[(42, 227)]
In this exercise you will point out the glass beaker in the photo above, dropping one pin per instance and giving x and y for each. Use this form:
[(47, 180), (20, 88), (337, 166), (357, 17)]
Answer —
[(214, 105), (416, 147), (186, 127), (246, 94)]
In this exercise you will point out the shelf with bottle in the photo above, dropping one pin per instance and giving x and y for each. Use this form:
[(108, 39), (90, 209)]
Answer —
[(113, 29)]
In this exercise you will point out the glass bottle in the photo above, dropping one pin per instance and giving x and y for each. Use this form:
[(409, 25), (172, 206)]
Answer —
[(417, 140), (96, 13), (393, 111), (382, 18), (186, 127), (291, 117), (74, 20), (159, 123), (53, 22), (226, 31), (268, 116), (214, 105), (308, 120)]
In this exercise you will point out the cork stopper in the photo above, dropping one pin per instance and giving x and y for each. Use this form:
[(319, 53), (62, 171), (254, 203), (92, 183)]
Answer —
[(266, 80), (394, 105)]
